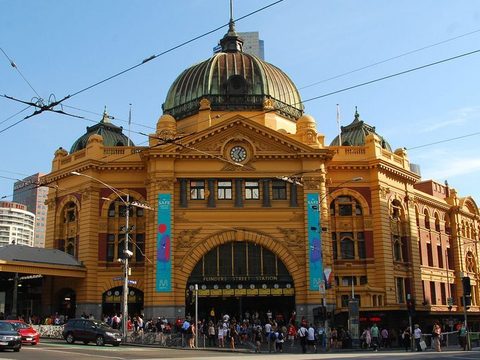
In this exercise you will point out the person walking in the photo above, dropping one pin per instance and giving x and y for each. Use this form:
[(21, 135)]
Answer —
[(417, 336), (406, 338), (311, 338), (375, 333), (436, 334), (302, 335), (462, 337)]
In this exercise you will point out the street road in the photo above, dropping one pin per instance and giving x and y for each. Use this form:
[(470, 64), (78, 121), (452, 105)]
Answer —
[(62, 351)]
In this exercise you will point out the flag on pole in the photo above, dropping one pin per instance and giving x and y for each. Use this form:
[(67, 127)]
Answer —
[(338, 126), (129, 123)]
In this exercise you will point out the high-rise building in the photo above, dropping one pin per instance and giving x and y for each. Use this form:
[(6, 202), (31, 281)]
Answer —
[(16, 224), (252, 44), (28, 192)]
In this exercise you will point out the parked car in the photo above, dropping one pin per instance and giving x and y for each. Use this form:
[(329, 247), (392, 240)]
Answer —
[(87, 330), (9, 337), (28, 333)]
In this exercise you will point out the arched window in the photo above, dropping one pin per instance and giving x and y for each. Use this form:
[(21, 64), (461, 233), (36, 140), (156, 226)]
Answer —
[(397, 249), (437, 222), (345, 205), (67, 240), (347, 248), (115, 246), (417, 216), (448, 230), (426, 218)]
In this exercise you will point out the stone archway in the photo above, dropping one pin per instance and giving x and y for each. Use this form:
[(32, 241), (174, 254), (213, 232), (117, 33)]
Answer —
[(112, 301), (243, 279)]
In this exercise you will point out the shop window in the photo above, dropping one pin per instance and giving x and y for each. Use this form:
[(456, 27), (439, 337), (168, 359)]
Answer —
[(252, 190), (224, 190), (279, 190), (197, 190)]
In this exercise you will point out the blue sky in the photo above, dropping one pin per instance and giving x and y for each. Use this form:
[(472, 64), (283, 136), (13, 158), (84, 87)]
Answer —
[(62, 47)]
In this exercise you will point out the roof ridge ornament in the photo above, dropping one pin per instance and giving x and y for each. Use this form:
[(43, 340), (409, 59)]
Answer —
[(357, 115), (231, 42), (105, 116)]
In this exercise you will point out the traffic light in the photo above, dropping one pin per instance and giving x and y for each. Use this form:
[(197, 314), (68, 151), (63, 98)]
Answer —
[(467, 289), (468, 301), (411, 305)]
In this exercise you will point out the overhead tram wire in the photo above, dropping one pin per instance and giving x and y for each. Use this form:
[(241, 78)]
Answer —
[(378, 63), (372, 81), (389, 59), (443, 141), (357, 85), (50, 106), (12, 64), (17, 113), (366, 83)]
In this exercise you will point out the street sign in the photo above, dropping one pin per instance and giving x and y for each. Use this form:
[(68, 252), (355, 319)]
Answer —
[(118, 278), (133, 282)]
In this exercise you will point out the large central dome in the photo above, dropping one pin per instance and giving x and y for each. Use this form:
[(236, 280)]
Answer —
[(233, 80)]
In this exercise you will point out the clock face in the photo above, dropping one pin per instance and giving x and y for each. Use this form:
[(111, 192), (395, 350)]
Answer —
[(238, 153)]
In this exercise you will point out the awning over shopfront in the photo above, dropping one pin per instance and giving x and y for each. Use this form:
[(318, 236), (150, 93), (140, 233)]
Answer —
[(39, 261)]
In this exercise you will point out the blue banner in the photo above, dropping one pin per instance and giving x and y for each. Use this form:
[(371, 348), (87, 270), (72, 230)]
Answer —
[(164, 243), (315, 243)]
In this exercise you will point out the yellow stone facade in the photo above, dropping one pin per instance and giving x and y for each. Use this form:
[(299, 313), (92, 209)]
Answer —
[(383, 229)]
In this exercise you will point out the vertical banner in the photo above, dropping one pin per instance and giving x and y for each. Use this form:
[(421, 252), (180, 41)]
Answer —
[(164, 229), (314, 243)]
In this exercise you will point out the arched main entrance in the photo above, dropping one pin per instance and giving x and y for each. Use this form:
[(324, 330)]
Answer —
[(112, 301), (240, 279)]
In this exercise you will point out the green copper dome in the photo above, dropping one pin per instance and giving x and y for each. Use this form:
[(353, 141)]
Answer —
[(233, 80), (355, 134), (112, 135)]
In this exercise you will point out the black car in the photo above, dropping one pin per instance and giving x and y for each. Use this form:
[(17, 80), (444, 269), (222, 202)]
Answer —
[(9, 337), (87, 330)]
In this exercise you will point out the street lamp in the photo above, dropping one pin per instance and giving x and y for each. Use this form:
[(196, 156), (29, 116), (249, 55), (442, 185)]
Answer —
[(126, 252)]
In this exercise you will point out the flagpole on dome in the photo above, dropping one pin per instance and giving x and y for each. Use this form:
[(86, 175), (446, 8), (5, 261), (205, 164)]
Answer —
[(338, 126), (129, 123)]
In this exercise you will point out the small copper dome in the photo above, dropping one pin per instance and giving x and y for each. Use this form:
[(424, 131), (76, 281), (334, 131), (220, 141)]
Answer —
[(112, 135)]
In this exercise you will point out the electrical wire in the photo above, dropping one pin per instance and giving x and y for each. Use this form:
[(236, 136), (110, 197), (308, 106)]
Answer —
[(392, 75), (17, 113), (152, 57), (389, 59), (51, 105), (12, 63), (443, 141)]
